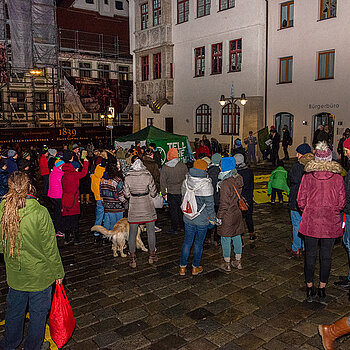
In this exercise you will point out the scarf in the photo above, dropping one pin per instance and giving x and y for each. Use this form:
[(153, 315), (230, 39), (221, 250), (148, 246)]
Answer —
[(223, 175)]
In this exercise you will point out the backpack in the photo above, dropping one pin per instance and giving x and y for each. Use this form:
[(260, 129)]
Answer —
[(189, 203)]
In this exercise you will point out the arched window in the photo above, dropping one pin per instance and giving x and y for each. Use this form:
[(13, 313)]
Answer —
[(229, 122), (284, 120), (203, 119)]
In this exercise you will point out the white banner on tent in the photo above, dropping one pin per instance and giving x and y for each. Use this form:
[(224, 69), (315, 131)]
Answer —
[(127, 144)]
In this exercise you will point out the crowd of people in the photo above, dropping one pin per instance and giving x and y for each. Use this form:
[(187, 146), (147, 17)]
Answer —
[(209, 199)]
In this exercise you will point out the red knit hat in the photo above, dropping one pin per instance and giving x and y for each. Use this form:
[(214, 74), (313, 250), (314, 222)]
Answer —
[(346, 143)]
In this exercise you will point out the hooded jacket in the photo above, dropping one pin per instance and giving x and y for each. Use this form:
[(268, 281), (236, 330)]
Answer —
[(44, 167), (321, 198), (278, 179), (172, 176), (199, 179), (213, 172), (70, 186), (232, 220), (96, 180), (152, 166), (248, 185), (40, 259), (140, 188), (4, 178), (11, 165), (55, 183), (295, 175)]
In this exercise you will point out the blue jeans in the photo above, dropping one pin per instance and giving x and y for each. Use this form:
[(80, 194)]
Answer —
[(226, 245), (39, 306), (99, 215), (346, 237), (196, 234), (110, 219), (298, 243)]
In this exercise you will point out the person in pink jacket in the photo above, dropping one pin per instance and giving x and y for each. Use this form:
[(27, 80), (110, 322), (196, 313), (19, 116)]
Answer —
[(321, 198), (55, 195)]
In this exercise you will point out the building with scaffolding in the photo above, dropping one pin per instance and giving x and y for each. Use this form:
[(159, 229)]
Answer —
[(63, 63)]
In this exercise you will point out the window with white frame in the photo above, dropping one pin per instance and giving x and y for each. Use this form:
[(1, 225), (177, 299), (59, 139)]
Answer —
[(203, 119)]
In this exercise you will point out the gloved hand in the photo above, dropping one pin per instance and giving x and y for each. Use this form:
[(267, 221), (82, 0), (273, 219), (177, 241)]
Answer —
[(218, 222)]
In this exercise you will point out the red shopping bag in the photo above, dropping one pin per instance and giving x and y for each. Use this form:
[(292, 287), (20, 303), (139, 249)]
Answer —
[(62, 321)]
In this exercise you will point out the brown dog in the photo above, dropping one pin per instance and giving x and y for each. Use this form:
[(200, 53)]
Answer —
[(119, 235)]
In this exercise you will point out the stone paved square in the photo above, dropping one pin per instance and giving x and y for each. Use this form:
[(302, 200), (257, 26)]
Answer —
[(259, 307)]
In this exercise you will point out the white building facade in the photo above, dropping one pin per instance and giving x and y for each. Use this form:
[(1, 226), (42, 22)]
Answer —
[(308, 75), (185, 60)]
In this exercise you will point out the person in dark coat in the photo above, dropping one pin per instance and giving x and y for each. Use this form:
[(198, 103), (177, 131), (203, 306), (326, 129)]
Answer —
[(70, 197), (152, 166), (213, 173), (11, 161), (345, 282), (321, 198), (229, 216), (239, 149), (286, 141), (275, 146), (4, 177), (340, 149), (156, 154), (52, 158), (247, 192), (295, 174)]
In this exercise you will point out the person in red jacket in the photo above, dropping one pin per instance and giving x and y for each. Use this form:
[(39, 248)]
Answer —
[(70, 197), (321, 198), (44, 170), (202, 149)]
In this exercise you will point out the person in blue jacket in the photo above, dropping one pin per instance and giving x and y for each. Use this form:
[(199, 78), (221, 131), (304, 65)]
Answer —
[(4, 176), (12, 161)]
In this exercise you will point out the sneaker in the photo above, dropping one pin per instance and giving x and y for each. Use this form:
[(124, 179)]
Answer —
[(59, 234), (157, 229), (182, 270), (252, 237), (237, 264), (225, 266)]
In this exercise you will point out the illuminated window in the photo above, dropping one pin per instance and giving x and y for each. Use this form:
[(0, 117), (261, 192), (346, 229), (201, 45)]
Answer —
[(235, 55), (216, 58)]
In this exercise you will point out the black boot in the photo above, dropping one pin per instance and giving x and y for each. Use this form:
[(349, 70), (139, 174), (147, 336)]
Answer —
[(310, 293), (321, 292), (76, 239), (67, 238)]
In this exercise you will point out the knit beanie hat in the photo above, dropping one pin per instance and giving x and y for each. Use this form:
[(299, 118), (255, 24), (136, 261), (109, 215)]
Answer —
[(239, 159), (323, 153), (346, 143), (304, 148), (52, 152), (227, 163), (67, 155), (238, 143), (200, 164), (59, 163), (172, 154), (207, 160), (25, 155), (11, 153), (215, 159), (75, 146)]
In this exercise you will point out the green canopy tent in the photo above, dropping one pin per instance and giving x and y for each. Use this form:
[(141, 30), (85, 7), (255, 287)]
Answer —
[(164, 141)]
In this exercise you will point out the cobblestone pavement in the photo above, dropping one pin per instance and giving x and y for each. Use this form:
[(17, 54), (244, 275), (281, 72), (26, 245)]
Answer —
[(259, 307)]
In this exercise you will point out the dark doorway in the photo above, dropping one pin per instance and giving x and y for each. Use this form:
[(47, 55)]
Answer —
[(324, 118), (169, 125)]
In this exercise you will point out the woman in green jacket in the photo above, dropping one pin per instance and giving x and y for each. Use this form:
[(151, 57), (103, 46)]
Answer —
[(278, 183), (33, 263)]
